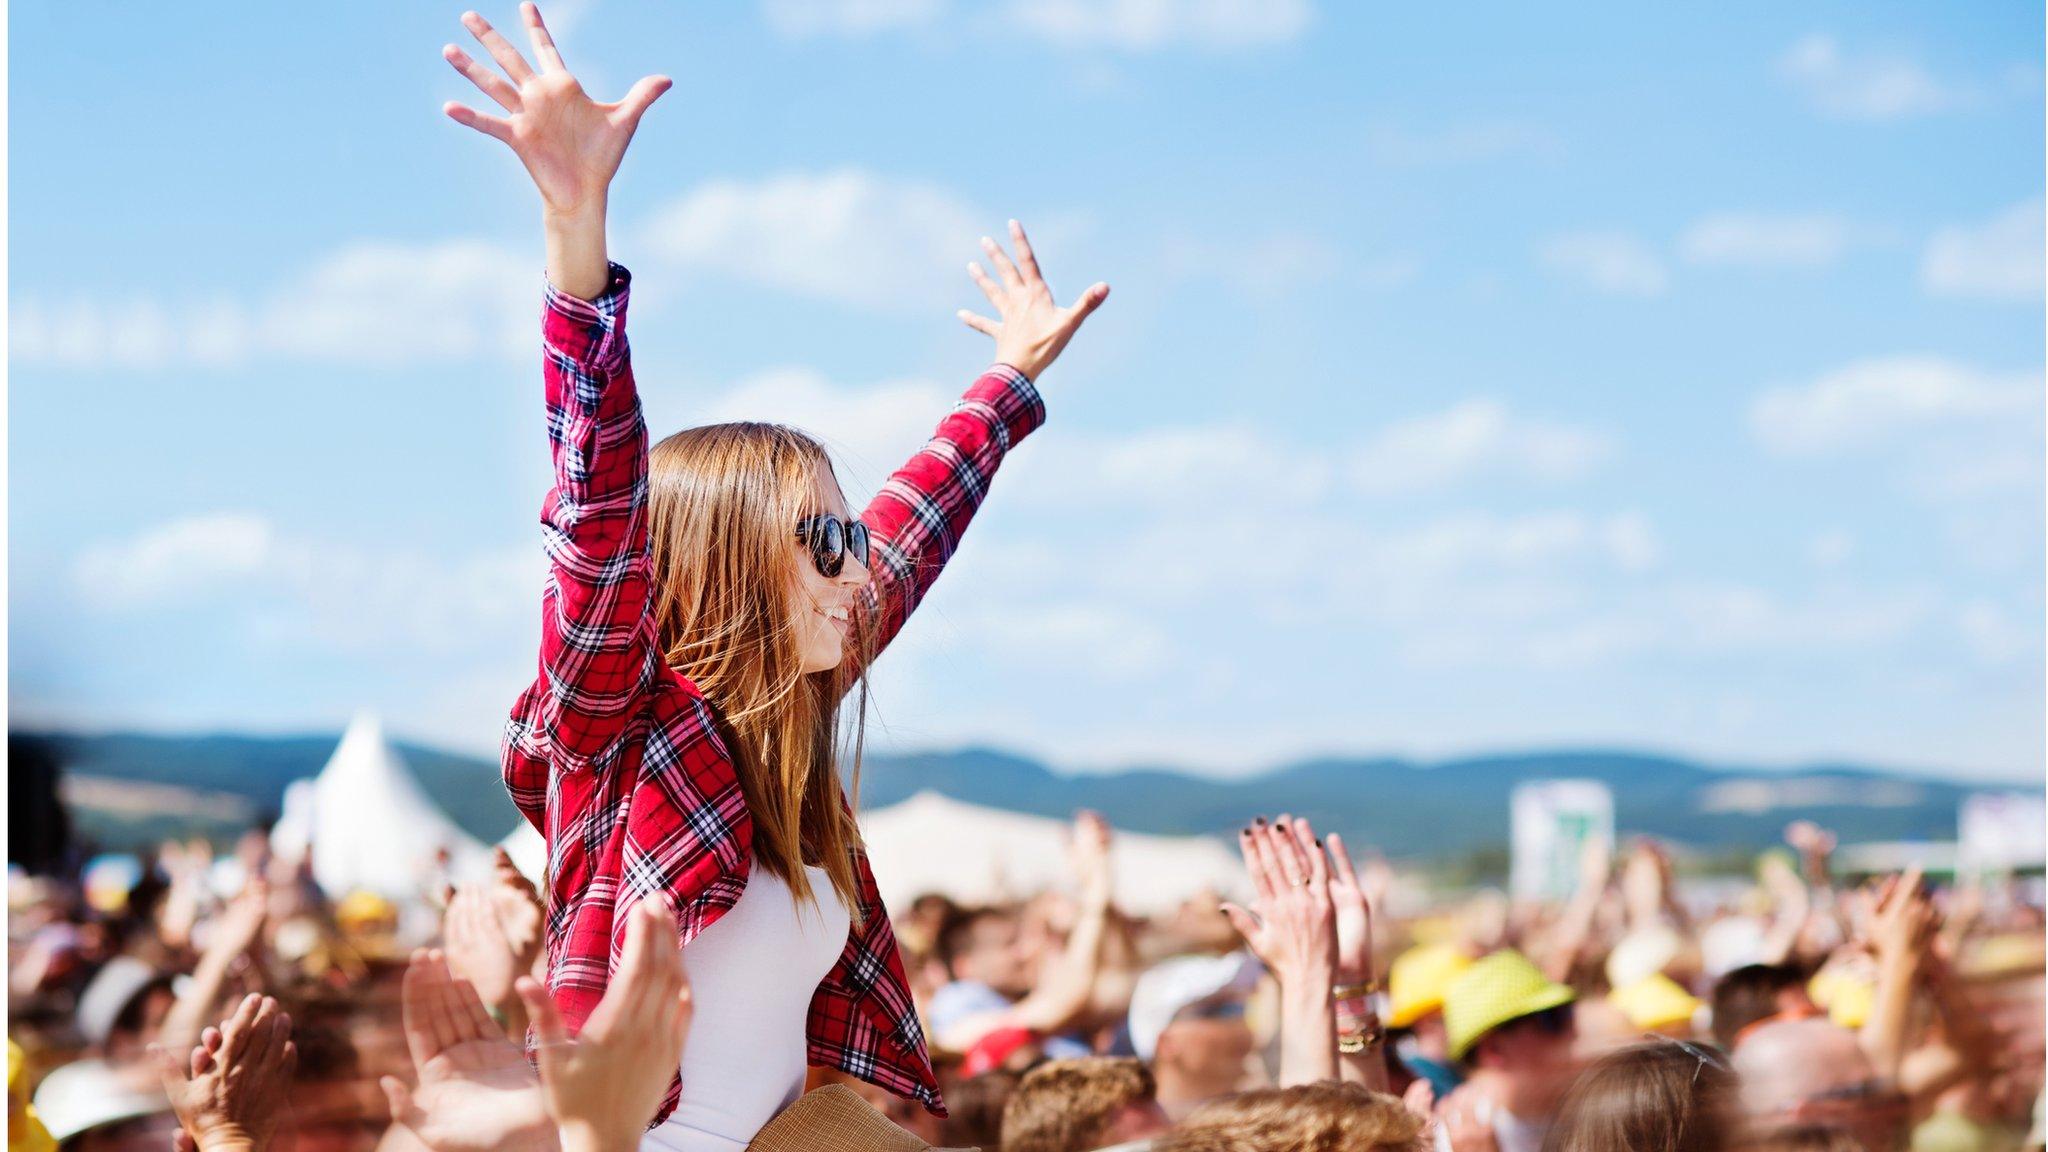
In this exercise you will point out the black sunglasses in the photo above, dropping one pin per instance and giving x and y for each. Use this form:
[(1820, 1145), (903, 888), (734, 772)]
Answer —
[(831, 539)]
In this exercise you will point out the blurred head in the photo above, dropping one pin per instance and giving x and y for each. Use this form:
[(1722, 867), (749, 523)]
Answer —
[(1757, 992), (1077, 1105), (1663, 1096), (987, 946), (744, 611), (1808, 1072), (1188, 1018), (1531, 1056), (1321, 1115)]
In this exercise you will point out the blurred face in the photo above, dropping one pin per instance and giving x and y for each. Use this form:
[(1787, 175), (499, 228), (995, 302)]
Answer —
[(824, 605), (1202, 1054), (1535, 1055), (993, 952)]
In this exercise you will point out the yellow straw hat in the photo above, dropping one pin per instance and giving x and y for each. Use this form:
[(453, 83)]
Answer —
[(1655, 1001), (1417, 981), (1502, 987)]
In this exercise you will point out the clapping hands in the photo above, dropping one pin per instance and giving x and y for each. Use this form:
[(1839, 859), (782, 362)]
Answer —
[(230, 1092)]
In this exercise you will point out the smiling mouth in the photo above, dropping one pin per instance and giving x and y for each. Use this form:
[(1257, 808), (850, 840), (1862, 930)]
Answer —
[(841, 618)]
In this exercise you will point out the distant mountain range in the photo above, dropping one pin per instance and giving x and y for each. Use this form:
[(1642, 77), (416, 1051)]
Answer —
[(1406, 808)]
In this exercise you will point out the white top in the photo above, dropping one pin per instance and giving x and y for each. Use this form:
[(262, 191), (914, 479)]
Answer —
[(752, 976)]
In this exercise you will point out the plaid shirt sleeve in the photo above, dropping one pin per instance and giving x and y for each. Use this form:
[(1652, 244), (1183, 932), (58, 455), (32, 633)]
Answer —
[(597, 657), (916, 520)]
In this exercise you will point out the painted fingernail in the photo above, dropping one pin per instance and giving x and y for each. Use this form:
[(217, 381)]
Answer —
[(1259, 820)]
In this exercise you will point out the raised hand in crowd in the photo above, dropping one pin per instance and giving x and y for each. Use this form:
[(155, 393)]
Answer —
[(480, 951), (230, 1091), (603, 1087), (521, 911), (237, 935), (1360, 1049), (1292, 927), (476, 1092), (1901, 926), (570, 144), (1031, 328)]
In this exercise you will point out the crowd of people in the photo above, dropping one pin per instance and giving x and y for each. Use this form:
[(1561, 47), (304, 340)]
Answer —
[(706, 964), (229, 1004)]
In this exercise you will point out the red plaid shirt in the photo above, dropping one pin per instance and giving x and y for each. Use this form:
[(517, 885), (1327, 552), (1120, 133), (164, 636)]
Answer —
[(613, 756)]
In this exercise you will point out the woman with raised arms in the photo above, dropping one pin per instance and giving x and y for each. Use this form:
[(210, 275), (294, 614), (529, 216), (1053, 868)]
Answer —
[(710, 606)]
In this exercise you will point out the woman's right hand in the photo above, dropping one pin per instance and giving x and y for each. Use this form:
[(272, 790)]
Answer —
[(571, 145)]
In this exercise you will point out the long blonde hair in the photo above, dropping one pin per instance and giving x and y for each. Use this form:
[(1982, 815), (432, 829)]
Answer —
[(723, 505)]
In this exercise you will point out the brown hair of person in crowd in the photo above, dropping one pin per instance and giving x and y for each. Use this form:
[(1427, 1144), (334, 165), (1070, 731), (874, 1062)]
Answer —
[(1753, 993), (1076, 1105), (956, 924), (1805, 1138), (1658, 1096), (974, 1109), (1326, 1116)]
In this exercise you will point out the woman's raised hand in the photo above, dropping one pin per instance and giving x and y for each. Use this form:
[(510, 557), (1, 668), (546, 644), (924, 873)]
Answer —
[(1031, 329), (571, 145), (1293, 926)]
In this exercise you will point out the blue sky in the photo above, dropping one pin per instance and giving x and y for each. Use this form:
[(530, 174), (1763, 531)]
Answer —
[(1550, 376)]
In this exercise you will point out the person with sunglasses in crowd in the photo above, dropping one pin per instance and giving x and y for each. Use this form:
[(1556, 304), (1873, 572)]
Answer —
[(1511, 1028), (711, 606)]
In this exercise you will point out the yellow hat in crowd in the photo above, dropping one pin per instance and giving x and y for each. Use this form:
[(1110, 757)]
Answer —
[(1502, 987), (25, 1131), (1847, 996), (1417, 981), (1655, 1001)]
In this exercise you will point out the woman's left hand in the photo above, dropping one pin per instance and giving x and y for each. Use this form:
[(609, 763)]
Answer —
[(1033, 329)]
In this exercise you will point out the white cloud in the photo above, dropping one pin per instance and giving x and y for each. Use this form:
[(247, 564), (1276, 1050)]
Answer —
[(869, 430), (802, 19), (852, 236), (1865, 87), (2000, 259), (1152, 25), (1766, 241), (1611, 261), (1873, 401), (291, 590), (1455, 145), (1472, 439), (365, 303), (176, 559)]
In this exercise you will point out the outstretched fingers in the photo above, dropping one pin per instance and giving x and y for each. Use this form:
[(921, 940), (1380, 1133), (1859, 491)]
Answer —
[(1088, 302), (640, 97), (1027, 260), (981, 324), (493, 126), (544, 49), (1001, 260), (500, 48), (492, 84)]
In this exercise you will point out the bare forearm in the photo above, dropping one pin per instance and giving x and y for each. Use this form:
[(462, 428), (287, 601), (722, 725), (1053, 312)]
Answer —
[(578, 263), (1066, 989), (1883, 1035), (1367, 1067), (1308, 1030), (200, 1003)]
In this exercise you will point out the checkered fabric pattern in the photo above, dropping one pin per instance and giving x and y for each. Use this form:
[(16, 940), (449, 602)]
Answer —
[(615, 757)]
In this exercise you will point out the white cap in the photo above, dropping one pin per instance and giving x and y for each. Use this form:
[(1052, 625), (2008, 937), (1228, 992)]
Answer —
[(1732, 942), (113, 988), (86, 1094), (1172, 985)]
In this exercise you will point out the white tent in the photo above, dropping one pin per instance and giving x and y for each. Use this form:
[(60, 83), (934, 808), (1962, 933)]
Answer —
[(932, 843), (529, 852), (370, 825)]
